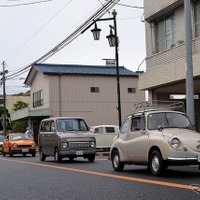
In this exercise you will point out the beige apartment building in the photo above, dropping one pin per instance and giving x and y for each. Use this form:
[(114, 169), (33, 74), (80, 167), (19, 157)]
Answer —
[(165, 51), (79, 90)]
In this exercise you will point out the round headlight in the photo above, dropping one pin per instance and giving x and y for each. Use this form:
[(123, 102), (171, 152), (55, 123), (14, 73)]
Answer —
[(64, 145), (33, 144), (14, 145), (92, 144), (175, 143)]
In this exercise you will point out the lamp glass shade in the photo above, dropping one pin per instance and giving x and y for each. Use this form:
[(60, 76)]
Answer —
[(111, 39), (96, 32)]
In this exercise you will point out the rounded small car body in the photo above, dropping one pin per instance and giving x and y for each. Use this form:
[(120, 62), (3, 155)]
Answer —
[(18, 143), (157, 139)]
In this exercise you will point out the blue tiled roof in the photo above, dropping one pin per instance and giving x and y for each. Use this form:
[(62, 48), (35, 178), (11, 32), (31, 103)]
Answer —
[(55, 69)]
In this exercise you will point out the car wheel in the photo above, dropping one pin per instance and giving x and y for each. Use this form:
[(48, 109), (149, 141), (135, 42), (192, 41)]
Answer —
[(10, 153), (4, 154), (42, 156), (91, 158), (117, 164), (33, 154), (156, 163), (57, 156)]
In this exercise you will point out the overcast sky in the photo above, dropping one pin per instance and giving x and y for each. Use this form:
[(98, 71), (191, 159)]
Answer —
[(30, 31)]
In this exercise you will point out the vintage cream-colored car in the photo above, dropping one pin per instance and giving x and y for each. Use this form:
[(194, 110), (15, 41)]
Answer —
[(156, 137), (104, 135)]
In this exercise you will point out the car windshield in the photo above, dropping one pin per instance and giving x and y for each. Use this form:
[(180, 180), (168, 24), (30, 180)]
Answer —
[(20, 137), (71, 125), (167, 120)]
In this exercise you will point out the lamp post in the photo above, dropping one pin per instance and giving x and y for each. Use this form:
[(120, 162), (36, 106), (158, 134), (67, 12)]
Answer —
[(113, 42)]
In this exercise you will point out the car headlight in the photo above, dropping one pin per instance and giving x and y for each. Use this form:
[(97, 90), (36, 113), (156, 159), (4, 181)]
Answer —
[(64, 145), (175, 143), (14, 145), (33, 144), (92, 144)]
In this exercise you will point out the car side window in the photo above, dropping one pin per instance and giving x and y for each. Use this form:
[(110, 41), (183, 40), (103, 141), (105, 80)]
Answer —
[(98, 130), (125, 127), (137, 123), (110, 129), (45, 126)]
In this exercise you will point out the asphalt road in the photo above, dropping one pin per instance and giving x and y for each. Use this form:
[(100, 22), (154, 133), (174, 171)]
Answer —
[(27, 178)]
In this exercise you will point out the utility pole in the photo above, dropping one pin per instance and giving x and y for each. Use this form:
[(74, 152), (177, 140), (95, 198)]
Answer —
[(4, 97), (189, 63)]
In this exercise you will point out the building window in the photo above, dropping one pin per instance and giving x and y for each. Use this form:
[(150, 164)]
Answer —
[(197, 18), (38, 98), (94, 89), (131, 90), (165, 33)]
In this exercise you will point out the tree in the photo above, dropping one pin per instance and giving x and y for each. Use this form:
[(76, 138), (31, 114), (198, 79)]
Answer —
[(20, 126), (20, 105)]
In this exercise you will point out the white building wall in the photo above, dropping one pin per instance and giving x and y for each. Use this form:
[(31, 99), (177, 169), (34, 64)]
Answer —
[(74, 97), (41, 82)]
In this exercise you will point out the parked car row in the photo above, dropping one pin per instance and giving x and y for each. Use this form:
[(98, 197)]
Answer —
[(153, 135)]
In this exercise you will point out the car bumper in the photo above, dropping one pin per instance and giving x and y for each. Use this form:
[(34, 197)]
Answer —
[(23, 151), (184, 161), (77, 153)]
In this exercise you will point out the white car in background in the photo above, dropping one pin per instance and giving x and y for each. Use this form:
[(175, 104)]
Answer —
[(104, 135)]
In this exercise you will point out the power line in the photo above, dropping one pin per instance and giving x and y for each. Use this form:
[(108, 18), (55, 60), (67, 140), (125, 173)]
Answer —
[(24, 4), (130, 6), (39, 30), (98, 14)]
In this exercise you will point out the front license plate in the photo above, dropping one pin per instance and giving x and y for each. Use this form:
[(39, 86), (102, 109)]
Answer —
[(24, 150), (79, 153), (198, 158)]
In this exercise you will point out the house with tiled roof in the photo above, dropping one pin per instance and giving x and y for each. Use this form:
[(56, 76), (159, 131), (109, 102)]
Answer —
[(87, 91)]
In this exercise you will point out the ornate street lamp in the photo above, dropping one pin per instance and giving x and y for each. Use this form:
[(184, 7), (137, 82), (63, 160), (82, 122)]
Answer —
[(96, 32), (113, 42), (111, 39)]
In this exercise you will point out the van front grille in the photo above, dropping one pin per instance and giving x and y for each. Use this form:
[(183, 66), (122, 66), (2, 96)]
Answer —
[(78, 144)]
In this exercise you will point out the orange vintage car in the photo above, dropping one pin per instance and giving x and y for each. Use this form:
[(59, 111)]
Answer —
[(19, 143)]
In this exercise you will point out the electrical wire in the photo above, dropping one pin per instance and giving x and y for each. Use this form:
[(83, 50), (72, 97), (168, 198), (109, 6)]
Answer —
[(98, 14), (24, 4), (39, 30), (130, 6)]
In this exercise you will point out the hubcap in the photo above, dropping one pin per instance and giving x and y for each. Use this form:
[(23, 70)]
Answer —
[(155, 163), (116, 160)]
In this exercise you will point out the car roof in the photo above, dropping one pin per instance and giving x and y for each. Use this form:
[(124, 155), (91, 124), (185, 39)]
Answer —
[(104, 126), (55, 118)]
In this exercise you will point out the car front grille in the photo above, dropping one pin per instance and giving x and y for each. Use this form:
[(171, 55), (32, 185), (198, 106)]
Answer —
[(79, 144), (24, 146)]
